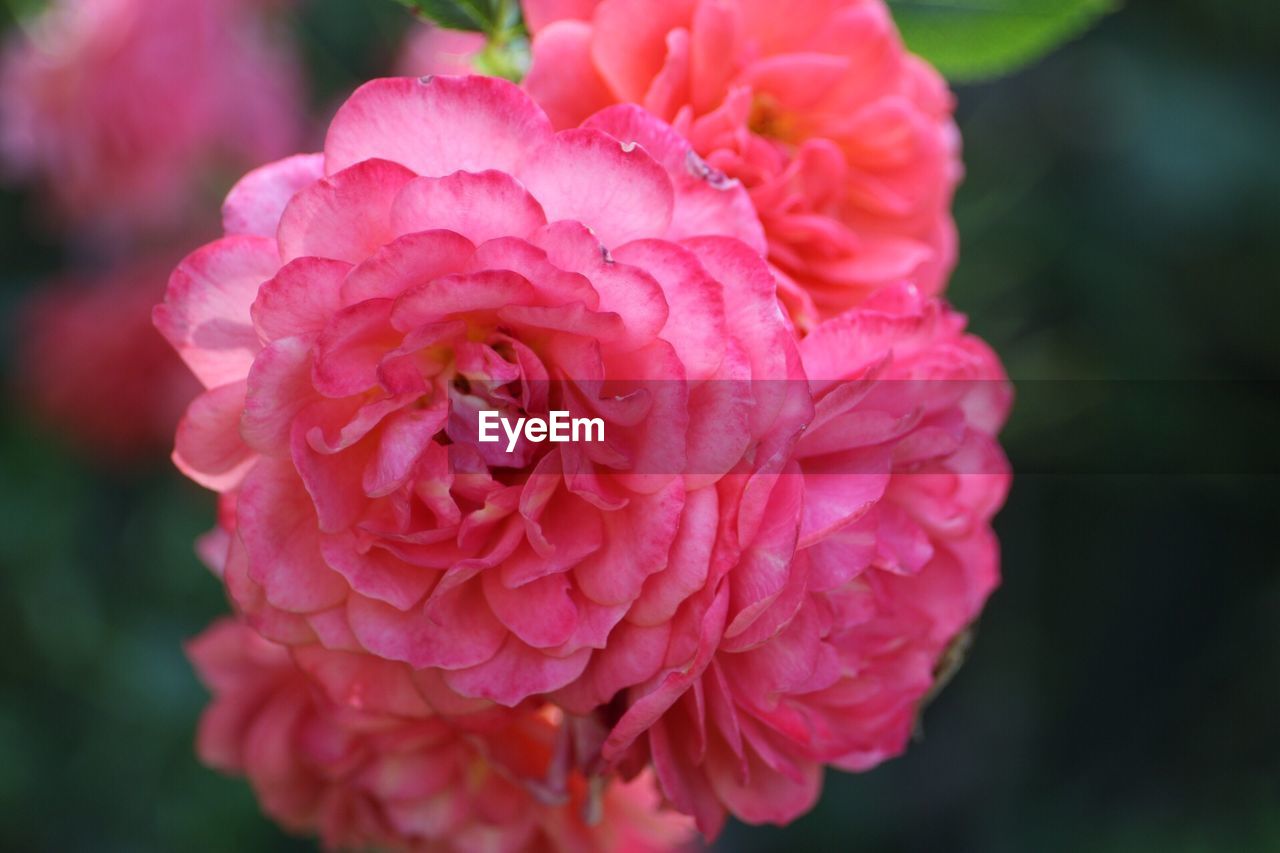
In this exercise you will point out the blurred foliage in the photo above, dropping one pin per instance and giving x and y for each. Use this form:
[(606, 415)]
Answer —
[(1118, 222), (478, 16), (970, 40), (101, 588)]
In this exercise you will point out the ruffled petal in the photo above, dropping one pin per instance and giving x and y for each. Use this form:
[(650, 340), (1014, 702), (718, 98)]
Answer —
[(256, 202), (436, 125), (205, 314)]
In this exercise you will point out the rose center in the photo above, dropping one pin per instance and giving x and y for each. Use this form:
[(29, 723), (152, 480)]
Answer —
[(769, 120)]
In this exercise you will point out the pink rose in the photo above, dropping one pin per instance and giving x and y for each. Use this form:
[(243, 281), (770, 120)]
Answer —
[(753, 575), (844, 139), (363, 778), (435, 50), (450, 253), (895, 559), (92, 366), (117, 109)]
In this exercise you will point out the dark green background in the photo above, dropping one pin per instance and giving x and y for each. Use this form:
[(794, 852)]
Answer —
[(1120, 222)]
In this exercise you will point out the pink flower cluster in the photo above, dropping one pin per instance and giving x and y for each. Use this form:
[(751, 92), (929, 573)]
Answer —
[(93, 113), (92, 367), (369, 777), (119, 115), (718, 228)]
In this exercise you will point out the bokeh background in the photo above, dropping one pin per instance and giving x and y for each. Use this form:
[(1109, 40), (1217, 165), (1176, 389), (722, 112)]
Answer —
[(1121, 239)]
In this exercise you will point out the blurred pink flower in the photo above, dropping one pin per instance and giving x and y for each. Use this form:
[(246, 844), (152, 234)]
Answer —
[(118, 109), (450, 253), (844, 139), (895, 559), (363, 778), (91, 365), (435, 50)]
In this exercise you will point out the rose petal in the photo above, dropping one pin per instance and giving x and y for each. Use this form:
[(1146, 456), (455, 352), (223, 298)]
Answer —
[(256, 202), (205, 314), (436, 125)]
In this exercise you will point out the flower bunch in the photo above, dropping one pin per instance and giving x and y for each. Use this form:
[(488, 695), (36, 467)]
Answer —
[(118, 116), (714, 229), (368, 777), (93, 113)]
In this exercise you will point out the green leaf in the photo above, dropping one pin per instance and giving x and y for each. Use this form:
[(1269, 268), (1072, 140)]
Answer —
[(970, 40), (477, 16), (507, 58)]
